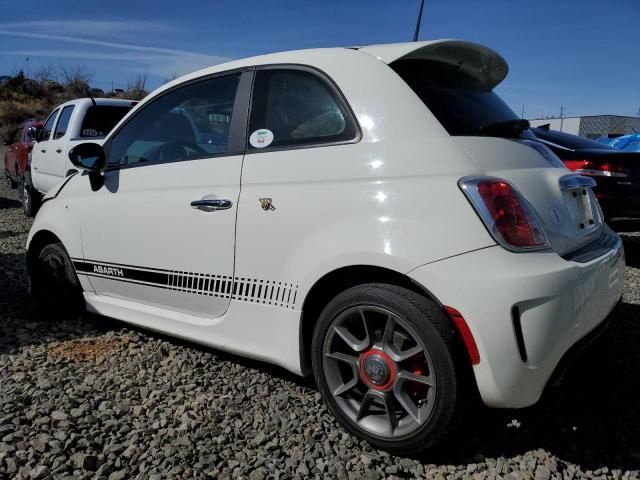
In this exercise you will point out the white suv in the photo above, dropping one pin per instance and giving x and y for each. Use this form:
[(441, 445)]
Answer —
[(375, 215)]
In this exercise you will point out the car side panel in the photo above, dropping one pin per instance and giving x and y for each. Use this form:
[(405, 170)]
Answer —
[(390, 199)]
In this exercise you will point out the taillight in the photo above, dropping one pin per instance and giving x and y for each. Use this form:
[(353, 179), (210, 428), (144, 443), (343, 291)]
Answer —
[(507, 215), (597, 168)]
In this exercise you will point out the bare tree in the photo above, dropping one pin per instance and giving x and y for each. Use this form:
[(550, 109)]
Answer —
[(136, 90), (44, 73), (172, 76), (75, 78)]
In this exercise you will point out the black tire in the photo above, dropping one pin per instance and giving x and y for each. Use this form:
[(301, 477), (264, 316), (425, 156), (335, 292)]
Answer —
[(29, 196), (10, 183), (437, 334), (54, 285)]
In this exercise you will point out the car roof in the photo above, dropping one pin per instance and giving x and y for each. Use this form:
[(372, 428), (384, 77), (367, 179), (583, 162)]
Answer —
[(474, 59), (118, 102)]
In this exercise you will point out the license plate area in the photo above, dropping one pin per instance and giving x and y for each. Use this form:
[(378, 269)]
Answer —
[(581, 202)]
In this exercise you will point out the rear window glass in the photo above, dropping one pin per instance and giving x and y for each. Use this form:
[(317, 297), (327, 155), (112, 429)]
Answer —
[(457, 100), (100, 119)]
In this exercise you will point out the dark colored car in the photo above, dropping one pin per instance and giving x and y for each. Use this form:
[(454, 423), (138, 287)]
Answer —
[(19, 145), (617, 173)]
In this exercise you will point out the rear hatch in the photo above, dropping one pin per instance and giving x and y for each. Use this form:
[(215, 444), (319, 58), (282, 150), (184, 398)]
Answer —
[(455, 80)]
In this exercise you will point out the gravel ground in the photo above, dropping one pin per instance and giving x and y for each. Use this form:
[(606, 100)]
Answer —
[(95, 398)]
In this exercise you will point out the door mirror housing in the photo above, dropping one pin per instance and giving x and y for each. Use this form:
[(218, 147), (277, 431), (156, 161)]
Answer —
[(33, 132), (88, 156)]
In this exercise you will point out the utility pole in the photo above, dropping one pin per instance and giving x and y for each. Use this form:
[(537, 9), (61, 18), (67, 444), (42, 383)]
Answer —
[(417, 32), (562, 109), (27, 68), (522, 115)]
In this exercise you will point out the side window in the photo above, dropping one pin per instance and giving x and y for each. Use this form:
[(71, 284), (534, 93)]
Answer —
[(187, 123), (45, 133), (296, 107), (63, 122), (17, 136)]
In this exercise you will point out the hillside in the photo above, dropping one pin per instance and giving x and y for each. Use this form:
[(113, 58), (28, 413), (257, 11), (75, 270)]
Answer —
[(22, 98)]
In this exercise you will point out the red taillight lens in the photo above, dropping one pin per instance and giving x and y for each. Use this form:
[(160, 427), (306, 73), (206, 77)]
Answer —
[(574, 165), (505, 213), (597, 168)]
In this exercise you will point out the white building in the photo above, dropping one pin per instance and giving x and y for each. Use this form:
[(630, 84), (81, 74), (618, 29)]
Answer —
[(592, 126)]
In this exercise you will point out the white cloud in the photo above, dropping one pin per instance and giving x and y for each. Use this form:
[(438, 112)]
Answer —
[(82, 27), (157, 61)]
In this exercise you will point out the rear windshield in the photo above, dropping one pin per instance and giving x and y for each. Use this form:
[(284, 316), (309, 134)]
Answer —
[(458, 101), (100, 119), (569, 141)]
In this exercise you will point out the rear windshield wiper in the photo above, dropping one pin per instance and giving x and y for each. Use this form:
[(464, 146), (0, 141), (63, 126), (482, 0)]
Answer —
[(506, 128)]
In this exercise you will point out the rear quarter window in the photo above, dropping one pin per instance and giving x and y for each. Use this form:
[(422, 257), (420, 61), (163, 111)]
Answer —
[(297, 108)]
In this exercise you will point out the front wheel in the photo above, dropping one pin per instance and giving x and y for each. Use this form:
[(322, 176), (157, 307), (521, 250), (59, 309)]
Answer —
[(384, 359), (29, 196), (10, 183), (53, 283)]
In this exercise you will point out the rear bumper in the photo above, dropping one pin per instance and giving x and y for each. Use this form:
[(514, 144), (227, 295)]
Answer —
[(526, 311)]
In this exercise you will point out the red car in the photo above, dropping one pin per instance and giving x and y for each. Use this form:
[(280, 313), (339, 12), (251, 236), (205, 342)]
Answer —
[(19, 144)]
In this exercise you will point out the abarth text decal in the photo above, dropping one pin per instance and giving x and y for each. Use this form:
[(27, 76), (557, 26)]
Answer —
[(269, 292)]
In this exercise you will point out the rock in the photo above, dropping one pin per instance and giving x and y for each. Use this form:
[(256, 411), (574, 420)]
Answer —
[(118, 475), (58, 415), (39, 472)]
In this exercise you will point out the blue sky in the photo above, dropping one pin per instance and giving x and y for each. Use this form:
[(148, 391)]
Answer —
[(583, 54)]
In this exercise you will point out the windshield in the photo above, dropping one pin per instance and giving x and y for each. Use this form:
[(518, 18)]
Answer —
[(457, 100)]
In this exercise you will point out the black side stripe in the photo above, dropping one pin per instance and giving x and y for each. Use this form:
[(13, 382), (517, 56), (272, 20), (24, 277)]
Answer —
[(270, 292)]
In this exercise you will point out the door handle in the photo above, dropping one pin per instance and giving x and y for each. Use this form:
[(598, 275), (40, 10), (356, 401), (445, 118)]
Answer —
[(59, 150), (43, 151), (211, 204)]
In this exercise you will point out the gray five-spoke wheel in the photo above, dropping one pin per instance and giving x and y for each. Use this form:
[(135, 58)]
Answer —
[(378, 371)]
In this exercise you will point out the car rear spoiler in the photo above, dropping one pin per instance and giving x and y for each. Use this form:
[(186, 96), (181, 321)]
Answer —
[(480, 62)]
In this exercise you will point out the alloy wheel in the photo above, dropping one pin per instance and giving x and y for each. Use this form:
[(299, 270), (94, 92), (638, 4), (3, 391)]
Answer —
[(379, 372)]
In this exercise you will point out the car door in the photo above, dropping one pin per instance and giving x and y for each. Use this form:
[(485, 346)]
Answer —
[(57, 144), (41, 167), (297, 179), (161, 230)]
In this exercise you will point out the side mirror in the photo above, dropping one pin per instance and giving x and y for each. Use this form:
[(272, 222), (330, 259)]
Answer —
[(88, 156), (33, 132)]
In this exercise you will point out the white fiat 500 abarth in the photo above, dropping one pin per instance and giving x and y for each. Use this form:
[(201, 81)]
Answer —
[(376, 216)]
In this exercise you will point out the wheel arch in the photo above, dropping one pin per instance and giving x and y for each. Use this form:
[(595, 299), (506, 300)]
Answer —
[(39, 240), (336, 281)]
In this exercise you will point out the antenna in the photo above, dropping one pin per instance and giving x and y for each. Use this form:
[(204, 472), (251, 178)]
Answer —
[(415, 35), (88, 93)]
